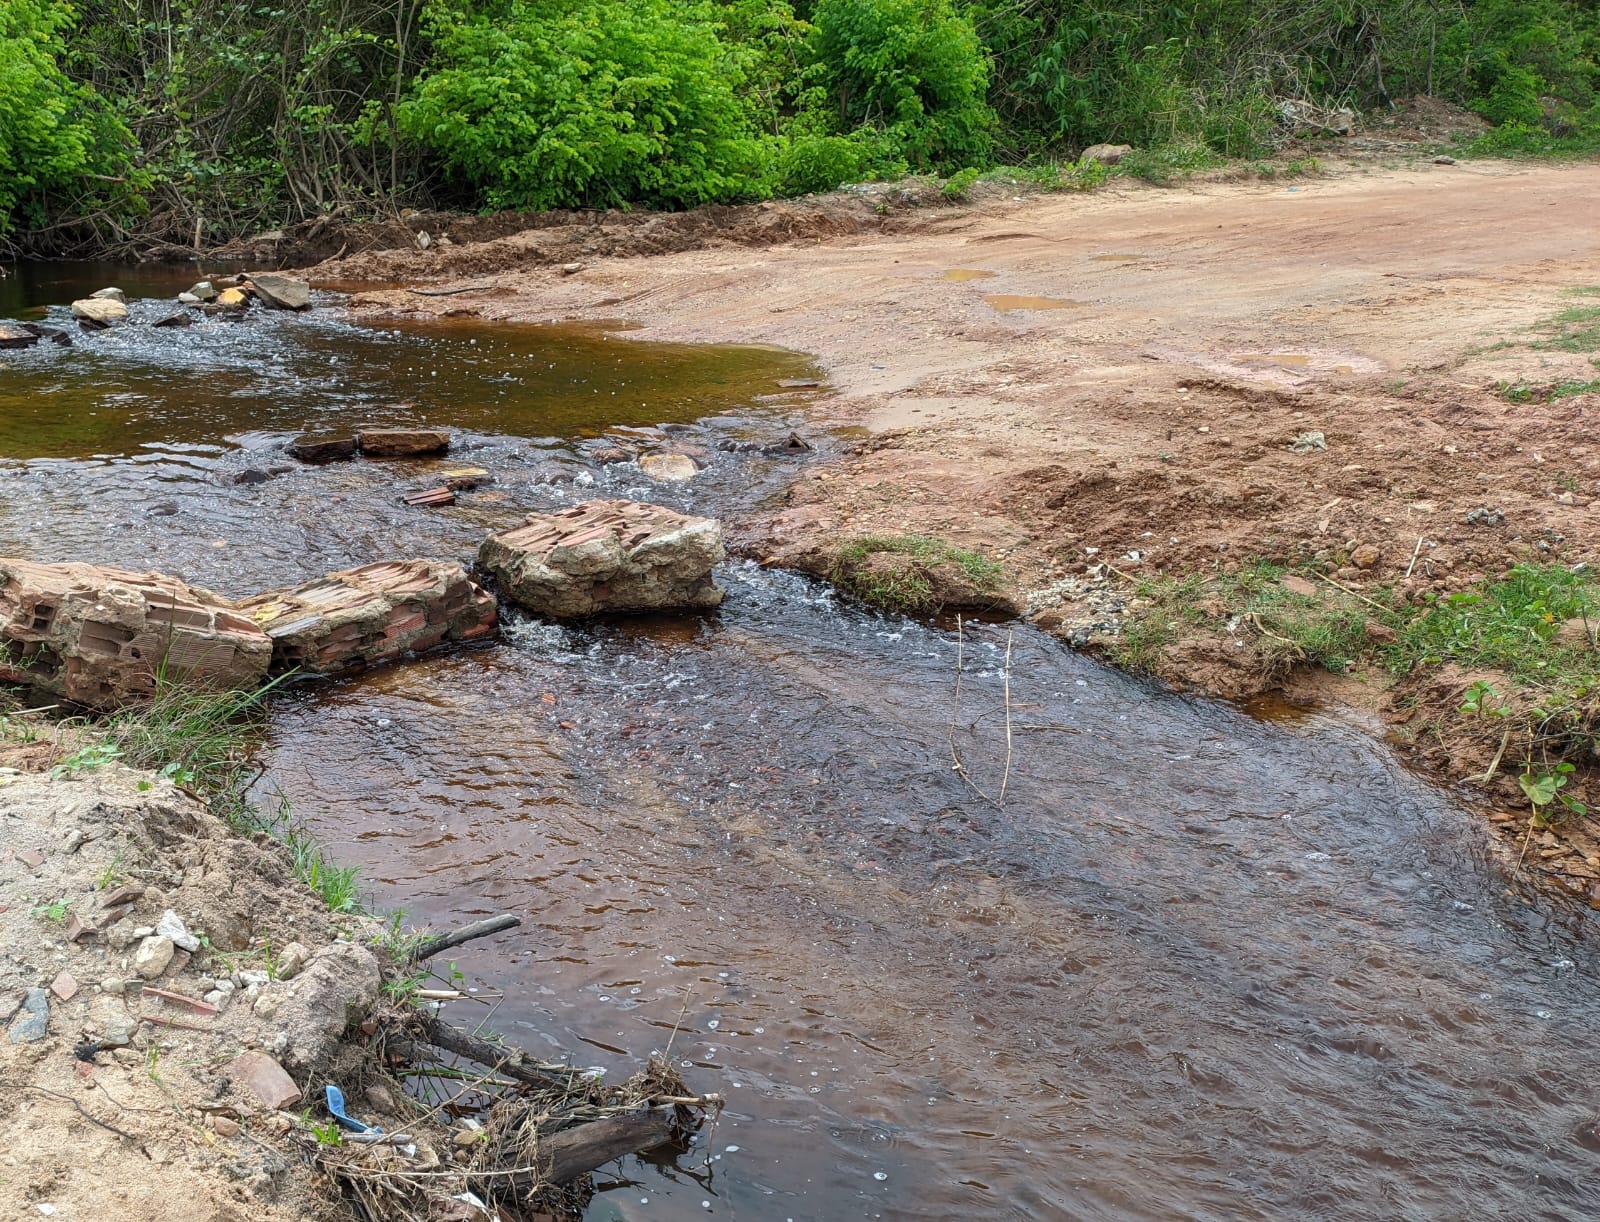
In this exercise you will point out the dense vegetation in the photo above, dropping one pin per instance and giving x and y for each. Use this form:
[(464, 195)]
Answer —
[(199, 120)]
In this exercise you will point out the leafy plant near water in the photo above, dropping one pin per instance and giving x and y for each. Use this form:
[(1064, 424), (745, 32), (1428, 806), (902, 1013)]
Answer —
[(205, 740), (906, 579)]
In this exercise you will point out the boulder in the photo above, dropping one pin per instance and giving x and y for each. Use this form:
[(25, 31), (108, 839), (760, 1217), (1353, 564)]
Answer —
[(669, 468), (1105, 154), (96, 636), (377, 613), (607, 556), (110, 294), (179, 318), (403, 443), (202, 291), (281, 292), (339, 985), (101, 311), (14, 335), (231, 299), (321, 447)]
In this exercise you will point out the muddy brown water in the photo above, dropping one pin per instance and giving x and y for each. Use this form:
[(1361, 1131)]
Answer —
[(1198, 964)]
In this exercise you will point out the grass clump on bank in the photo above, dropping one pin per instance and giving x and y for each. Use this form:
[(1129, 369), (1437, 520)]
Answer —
[(1511, 664), (913, 574), (204, 742)]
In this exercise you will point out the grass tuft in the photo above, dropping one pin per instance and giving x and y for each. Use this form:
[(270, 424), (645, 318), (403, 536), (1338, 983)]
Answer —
[(908, 585)]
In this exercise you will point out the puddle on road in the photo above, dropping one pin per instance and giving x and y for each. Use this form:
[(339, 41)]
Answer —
[(962, 274), (1199, 964), (1007, 302)]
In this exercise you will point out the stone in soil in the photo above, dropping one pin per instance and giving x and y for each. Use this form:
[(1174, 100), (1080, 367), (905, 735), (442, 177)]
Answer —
[(311, 1012), (64, 986), (265, 1079), (33, 1020), (96, 636), (170, 926), (153, 956), (607, 556), (403, 443), (377, 613), (321, 447), (281, 292)]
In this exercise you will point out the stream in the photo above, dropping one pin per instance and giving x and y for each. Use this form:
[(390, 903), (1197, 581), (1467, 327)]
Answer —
[(1196, 964)]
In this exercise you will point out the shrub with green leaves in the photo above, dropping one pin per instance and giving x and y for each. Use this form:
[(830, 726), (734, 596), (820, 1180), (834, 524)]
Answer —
[(55, 136), (584, 103), (913, 70)]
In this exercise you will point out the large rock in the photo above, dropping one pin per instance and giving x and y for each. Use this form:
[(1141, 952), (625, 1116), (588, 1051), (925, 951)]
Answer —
[(280, 292), (1105, 154), (403, 443), (607, 556), (346, 621), (96, 636), (14, 335), (339, 986), (101, 311), (110, 294)]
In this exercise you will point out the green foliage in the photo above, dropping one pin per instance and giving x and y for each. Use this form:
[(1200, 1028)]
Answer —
[(587, 103), (85, 759), (55, 135), (913, 70), (1506, 625)]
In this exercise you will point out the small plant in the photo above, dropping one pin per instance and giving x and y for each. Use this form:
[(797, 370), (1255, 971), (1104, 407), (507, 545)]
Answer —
[(55, 910), (1543, 787), (329, 1134), (113, 873), (86, 759), (1476, 701), (958, 186)]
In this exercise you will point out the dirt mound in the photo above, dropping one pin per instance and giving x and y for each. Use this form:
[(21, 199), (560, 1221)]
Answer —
[(460, 245)]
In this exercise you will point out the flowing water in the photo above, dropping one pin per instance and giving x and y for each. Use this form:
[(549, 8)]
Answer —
[(1195, 965)]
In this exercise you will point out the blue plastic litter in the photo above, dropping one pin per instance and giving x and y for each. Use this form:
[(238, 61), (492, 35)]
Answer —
[(336, 1110)]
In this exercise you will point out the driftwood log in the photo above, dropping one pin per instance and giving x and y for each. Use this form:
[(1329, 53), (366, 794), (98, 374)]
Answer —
[(429, 947), (579, 1150)]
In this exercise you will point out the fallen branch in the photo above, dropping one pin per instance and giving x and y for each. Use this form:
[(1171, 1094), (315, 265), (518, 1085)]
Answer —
[(502, 1058), (430, 947)]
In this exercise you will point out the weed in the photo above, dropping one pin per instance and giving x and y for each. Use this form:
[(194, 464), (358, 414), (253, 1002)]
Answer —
[(86, 759), (1525, 392), (906, 585), (1543, 787), (113, 874), (959, 185), (55, 910)]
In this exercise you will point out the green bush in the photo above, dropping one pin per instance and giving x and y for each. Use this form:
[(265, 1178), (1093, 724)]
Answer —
[(913, 70), (587, 103), (55, 136)]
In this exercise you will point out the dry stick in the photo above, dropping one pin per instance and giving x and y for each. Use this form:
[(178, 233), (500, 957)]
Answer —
[(1005, 777), (1415, 552), (110, 1128), (1494, 764), (430, 947), (955, 715), (1352, 593), (513, 1062)]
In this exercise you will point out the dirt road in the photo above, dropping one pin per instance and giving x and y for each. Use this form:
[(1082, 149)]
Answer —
[(1066, 382)]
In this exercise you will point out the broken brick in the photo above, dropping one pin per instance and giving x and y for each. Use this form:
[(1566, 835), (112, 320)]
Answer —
[(265, 1079), (64, 986)]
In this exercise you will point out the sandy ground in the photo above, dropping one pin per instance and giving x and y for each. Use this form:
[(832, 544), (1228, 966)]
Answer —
[(1062, 382)]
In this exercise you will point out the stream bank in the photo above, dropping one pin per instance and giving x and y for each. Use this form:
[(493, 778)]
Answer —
[(1207, 432), (1195, 961)]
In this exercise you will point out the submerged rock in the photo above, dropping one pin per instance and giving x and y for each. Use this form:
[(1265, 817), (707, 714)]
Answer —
[(280, 292), (97, 636), (607, 556), (669, 468), (403, 443), (377, 613), (179, 318), (322, 447)]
